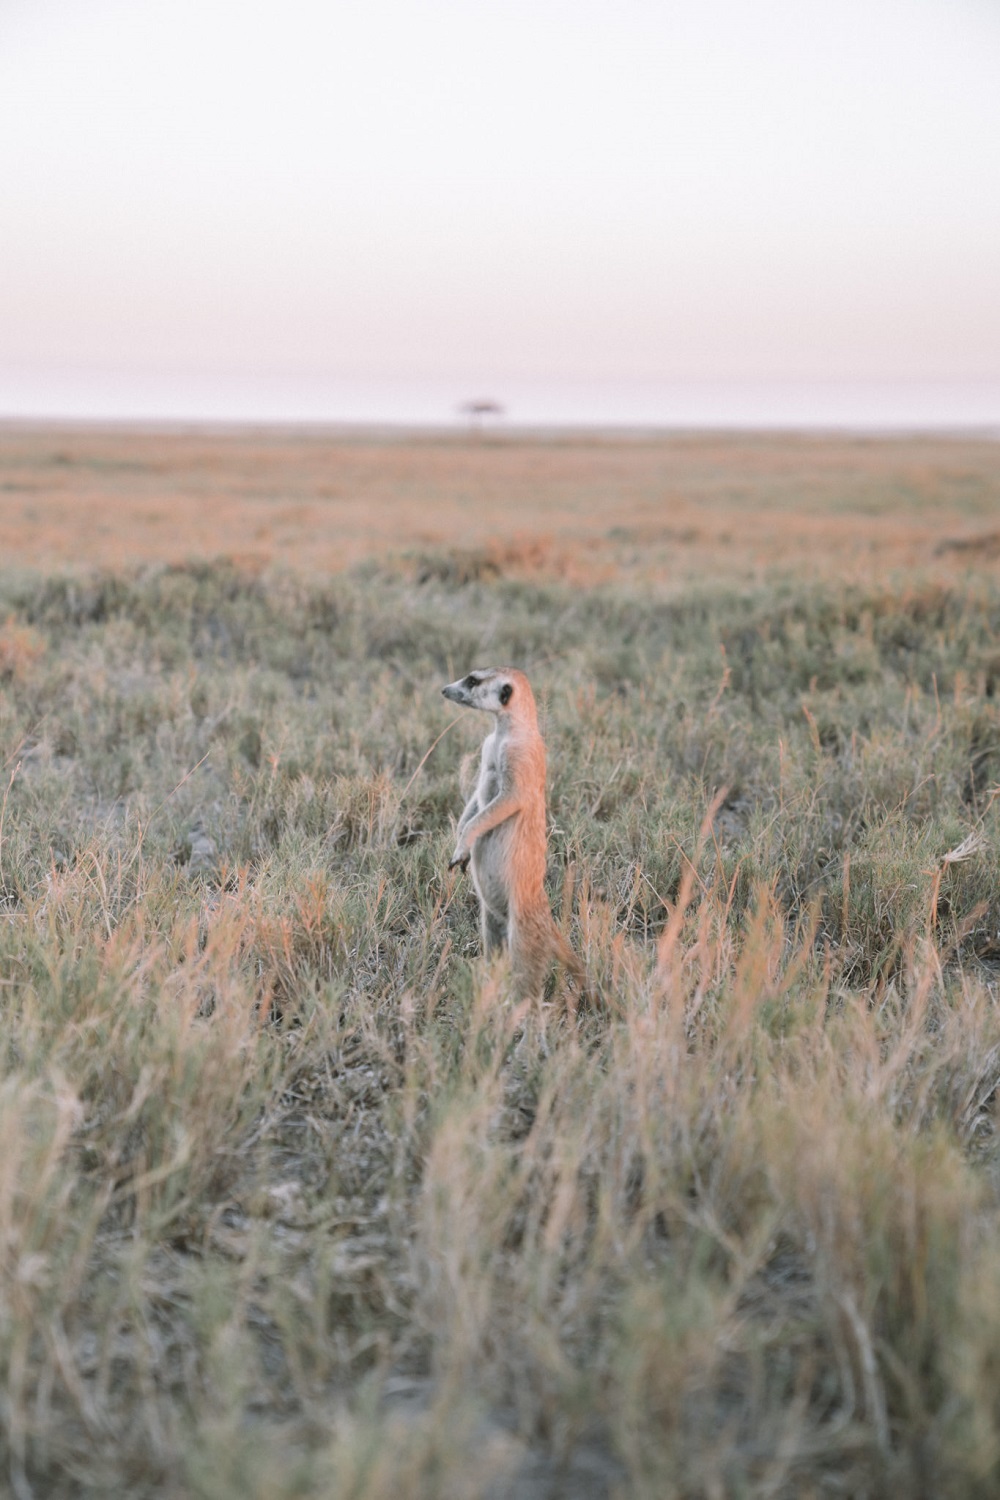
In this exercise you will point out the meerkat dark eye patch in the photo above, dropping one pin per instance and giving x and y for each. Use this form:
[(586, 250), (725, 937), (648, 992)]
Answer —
[(506, 694), (470, 682)]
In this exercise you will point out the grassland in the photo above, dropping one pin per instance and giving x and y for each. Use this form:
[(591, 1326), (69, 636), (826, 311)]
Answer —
[(293, 1200)]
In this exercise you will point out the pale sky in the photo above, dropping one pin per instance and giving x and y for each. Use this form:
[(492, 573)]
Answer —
[(210, 207)]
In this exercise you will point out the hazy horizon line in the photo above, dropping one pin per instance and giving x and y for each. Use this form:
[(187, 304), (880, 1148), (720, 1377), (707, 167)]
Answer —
[(121, 398)]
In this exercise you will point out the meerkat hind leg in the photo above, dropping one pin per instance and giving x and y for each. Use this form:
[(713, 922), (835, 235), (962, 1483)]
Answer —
[(494, 931)]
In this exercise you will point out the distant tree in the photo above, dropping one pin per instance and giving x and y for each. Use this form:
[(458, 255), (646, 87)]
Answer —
[(478, 411)]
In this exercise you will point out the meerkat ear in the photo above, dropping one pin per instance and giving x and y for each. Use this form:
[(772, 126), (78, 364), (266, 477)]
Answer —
[(506, 694)]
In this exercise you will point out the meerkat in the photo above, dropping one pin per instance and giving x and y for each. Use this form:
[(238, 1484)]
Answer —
[(501, 832)]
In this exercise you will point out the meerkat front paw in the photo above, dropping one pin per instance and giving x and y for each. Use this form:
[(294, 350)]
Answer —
[(460, 858)]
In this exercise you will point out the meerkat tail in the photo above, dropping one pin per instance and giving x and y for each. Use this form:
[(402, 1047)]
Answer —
[(536, 945), (570, 962)]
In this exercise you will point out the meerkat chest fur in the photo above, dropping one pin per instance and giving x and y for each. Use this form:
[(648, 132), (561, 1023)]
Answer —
[(488, 782)]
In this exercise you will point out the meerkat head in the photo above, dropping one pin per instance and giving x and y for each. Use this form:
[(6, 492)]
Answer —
[(497, 690)]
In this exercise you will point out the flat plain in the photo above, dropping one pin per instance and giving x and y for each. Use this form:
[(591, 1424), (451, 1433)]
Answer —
[(294, 1201)]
